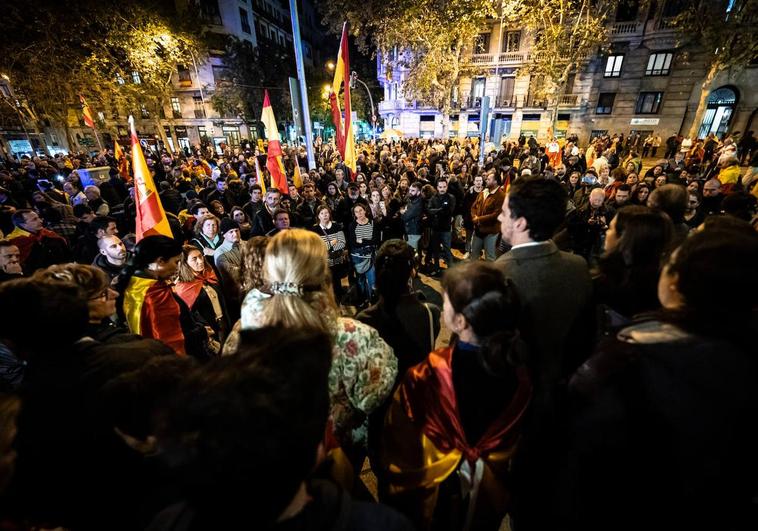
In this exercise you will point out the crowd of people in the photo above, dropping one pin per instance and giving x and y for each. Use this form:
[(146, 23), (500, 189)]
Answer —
[(248, 369)]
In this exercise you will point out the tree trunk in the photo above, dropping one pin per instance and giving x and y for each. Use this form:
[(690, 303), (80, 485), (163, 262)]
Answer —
[(69, 138), (702, 104)]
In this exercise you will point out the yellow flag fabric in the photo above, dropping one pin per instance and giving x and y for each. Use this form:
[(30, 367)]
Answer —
[(297, 178)]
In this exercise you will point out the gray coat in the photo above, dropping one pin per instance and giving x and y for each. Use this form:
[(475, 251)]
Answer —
[(555, 291)]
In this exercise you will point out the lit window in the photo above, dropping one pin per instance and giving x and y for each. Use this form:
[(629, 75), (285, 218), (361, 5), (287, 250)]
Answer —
[(135, 77), (119, 79), (659, 64), (613, 66)]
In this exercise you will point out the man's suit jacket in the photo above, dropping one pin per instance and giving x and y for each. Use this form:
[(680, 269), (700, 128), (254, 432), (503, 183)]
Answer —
[(557, 321)]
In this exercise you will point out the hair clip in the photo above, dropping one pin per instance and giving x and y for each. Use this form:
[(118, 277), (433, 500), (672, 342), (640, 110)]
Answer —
[(286, 288)]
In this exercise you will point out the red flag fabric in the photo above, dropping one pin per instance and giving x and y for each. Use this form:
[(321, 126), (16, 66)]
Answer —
[(87, 113), (123, 165)]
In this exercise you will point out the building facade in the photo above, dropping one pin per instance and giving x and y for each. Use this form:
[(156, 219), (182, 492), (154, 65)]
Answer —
[(188, 119), (646, 82)]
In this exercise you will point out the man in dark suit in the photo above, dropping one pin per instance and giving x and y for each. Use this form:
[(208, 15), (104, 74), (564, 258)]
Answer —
[(556, 322), (554, 286)]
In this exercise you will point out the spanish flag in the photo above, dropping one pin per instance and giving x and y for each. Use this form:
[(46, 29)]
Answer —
[(87, 113), (297, 178), (123, 165), (151, 218), (274, 153), (345, 135)]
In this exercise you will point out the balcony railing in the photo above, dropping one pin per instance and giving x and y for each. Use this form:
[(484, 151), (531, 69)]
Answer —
[(626, 28), (534, 102), (505, 101), (511, 58), (569, 100), (395, 105)]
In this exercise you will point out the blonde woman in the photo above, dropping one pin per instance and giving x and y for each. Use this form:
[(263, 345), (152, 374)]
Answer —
[(298, 293)]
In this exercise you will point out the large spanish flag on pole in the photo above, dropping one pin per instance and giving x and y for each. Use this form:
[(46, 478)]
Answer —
[(151, 218), (345, 135), (274, 153)]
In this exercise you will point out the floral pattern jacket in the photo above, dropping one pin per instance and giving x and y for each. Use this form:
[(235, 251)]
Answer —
[(363, 372)]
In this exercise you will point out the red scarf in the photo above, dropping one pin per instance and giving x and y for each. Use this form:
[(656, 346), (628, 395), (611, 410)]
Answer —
[(190, 291)]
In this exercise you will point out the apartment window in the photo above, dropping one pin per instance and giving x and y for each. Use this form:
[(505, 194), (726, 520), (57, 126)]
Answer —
[(135, 77), (605, 103), (143, 110), (511, 41), (120, 79), (649, 102), (263, 31), (202, 131), (221, 74), (199, 109), (176, 109), (210, 11), (613, 65), (101, 116), (506, 90), (659, 64), (482, 43), (245, 21), (184, 74)]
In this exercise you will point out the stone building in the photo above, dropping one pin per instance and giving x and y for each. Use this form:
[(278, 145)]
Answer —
[(646, 82)]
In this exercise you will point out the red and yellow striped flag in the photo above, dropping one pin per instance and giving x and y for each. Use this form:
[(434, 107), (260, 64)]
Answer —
[(87, 113), (123, 164), (274, 152), (151, 218), (297, 178), (345, 134)]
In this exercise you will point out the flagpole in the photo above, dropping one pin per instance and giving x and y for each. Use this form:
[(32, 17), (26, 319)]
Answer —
[(94, 130), (303, 88)]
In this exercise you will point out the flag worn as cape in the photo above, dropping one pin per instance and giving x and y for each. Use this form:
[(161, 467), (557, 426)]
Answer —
[(151, 218), (274, 152)]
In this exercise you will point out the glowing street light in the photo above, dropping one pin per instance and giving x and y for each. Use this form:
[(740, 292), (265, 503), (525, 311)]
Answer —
[(330, 65)]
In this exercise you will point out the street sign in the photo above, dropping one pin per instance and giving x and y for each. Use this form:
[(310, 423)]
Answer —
[(644, 121)]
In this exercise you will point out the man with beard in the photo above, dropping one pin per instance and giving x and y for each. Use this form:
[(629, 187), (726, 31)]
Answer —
[(112, 256)]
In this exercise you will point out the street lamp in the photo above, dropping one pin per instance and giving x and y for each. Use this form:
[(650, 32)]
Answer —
[(330, 65), (353, 79)]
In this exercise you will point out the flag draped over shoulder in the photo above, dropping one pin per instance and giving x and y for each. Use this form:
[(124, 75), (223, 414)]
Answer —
[(87, 113), (274, 152), (151, 218), (123, 165), (345, 135)]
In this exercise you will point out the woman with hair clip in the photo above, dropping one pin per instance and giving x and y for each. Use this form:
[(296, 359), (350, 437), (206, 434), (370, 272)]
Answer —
[(455, 420), (149, 306), (297, 294), (198, 286)]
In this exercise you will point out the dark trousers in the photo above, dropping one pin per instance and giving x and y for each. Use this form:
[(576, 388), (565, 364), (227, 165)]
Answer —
[(441, 239)]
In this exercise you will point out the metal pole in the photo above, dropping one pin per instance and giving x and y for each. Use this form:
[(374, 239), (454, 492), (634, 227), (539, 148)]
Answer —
[(483, 119), (200, 85), (303, 88), (371, 102)]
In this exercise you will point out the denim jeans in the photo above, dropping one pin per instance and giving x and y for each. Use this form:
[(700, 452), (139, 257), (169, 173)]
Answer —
[(443, 239), (488, 242), (366, 281), (413, 240)]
